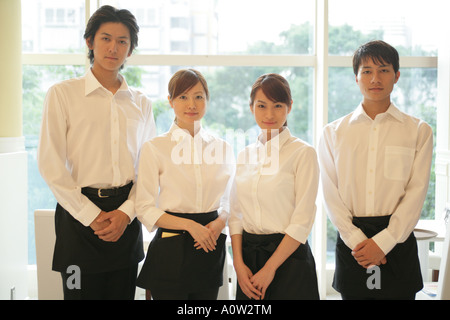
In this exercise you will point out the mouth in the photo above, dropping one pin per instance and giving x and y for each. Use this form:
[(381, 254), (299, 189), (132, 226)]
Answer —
[(269, 123), (376, 89), (191, 114)]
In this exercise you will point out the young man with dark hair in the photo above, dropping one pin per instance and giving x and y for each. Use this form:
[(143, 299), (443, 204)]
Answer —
[(375, 169), (92, 131)]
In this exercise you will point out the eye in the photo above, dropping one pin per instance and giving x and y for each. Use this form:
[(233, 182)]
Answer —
[(278, 105), (199, 97)]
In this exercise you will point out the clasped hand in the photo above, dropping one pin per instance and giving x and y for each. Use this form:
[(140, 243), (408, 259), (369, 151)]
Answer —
[(368, 254), (109, 226), (205, 237)]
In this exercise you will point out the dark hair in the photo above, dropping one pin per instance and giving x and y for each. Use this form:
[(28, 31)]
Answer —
[(110, 14), (184, 80), (379, 51), (274, 86)]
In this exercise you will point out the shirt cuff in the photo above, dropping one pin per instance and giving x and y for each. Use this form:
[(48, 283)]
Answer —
[(356, 237), (385, 241), (88, 214), (235, 227), (150, 218), (297, 232), (128, 208)]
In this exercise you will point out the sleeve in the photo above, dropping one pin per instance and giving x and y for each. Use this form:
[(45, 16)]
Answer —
[(52, 157), (147, 187), (148, 133), (338, 213), (230, 165), (235, 221), (306, 184), (407, 214)]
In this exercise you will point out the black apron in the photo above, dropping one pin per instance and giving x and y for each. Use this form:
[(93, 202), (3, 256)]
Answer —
[(399, 277), (295, 279), (78, 245), (174, 264)]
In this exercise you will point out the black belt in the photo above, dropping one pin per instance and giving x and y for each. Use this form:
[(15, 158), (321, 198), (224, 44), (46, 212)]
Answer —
[(106, 193)]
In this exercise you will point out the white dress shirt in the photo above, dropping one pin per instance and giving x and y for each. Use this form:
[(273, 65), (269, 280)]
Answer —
[(275, 188), (91, 138), (376, 168), (184, 174)]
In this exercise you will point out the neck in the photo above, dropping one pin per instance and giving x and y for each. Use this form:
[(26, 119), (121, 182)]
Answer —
[(110, 80), (192, 128), (267, 134), (374, 108)]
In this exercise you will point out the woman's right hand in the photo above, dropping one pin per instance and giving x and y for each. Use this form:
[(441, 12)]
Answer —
[(204, 237), (244, 274)]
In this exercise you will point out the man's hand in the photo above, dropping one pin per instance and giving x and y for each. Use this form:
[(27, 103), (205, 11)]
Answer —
[(113, 225), (368, 254), (96, 225)]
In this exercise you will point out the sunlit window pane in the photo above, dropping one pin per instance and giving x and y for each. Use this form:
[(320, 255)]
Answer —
[(409, 25), (50, 26), (223, 26)]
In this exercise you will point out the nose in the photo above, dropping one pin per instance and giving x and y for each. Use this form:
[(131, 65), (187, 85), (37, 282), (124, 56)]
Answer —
[(269, 113), (113, 47), (375, 77), (191, 103)]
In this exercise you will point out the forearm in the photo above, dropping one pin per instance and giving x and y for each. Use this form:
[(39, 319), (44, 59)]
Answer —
[(285, 249), (236, 245), (168, 221)]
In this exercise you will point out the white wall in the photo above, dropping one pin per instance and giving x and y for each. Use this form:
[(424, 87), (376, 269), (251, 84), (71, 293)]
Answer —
[(13, 225)]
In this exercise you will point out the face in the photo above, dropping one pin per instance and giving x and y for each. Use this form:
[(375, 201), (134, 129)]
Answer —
[(269, 115), (189, 106), (111, 46), (376, 81)]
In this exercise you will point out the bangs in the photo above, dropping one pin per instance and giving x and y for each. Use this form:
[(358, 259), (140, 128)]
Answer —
[(184, 80), (272, 89)]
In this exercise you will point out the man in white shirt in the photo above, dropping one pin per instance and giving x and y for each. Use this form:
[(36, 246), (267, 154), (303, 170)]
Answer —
[(375, 169), (92, 131)]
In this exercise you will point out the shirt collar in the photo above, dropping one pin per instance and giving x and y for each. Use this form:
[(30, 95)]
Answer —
[(360, 114), (92, 84), (179, 134), (276, 141)]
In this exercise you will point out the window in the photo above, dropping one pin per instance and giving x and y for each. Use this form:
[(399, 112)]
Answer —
[(232, 48)]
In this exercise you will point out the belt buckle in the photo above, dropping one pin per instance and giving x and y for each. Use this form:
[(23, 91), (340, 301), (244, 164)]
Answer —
[(99, 193)]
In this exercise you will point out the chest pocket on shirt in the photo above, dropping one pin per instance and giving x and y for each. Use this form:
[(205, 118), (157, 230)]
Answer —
[(398, 162)]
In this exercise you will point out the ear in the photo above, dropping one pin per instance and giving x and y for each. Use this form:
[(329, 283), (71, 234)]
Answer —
[(170, 101), (89, 43), (290, 106), (397, 76)]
